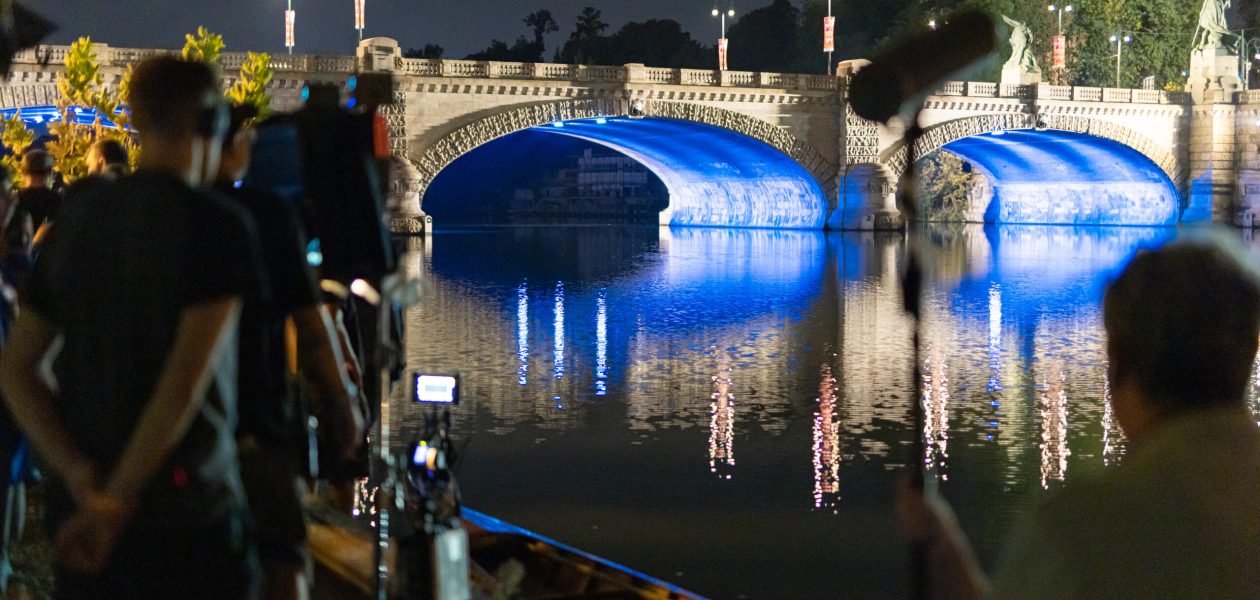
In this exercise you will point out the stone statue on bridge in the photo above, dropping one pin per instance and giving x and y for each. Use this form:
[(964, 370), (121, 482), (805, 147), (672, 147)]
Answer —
[(1022, 67), (1214, 64), (1213, 31)]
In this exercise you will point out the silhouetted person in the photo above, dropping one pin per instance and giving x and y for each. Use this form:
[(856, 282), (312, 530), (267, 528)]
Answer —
[(107, 158), (136, 294), (33, 206), (1180, 516), (273, 435)]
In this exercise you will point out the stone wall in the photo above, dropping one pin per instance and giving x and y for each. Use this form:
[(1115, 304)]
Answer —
[(1247, 149)]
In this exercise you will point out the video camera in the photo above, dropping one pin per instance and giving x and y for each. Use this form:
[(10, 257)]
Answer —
[(332, 159)]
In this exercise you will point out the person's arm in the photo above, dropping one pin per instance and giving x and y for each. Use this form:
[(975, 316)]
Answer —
[(928, 521), (325, 368), (200, 343), (29, 399)]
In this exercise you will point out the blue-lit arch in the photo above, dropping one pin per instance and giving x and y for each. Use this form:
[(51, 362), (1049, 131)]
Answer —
[(1064, 177), (41, 116), (715, 177)]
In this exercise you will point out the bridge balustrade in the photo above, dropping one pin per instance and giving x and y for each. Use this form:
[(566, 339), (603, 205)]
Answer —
[(1147, 96), (1117, 95), (1054, 92), (1087, 94), (1250, 97), (982, 89)]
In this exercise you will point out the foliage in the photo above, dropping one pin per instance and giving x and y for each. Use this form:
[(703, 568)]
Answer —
[(251, 88), (204, 47), (16, 137), (428, 51), (82, 85), (759, 38), (945, 187), (524, 50), (583, 43)]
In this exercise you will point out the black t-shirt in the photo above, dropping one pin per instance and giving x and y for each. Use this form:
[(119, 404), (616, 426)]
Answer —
[(113, 278), (42, 204), (267, 409)]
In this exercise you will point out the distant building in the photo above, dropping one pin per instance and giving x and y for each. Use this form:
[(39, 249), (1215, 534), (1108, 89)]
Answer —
[(604, 186)]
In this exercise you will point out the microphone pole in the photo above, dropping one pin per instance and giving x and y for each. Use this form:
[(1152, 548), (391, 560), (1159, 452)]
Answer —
[(895, 84)]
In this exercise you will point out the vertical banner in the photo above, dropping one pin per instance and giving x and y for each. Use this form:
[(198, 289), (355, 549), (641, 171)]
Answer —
[(1060, 52), (358, 14), (722, 48), (829, 34), (290, 18)]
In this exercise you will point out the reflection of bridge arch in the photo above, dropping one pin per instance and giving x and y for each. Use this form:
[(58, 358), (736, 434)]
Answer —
[(459, 142), (939, 135)]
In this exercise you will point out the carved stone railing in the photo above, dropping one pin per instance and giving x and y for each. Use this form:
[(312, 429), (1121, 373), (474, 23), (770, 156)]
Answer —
[(1117, 95), (1045, 91), (1249, 97)]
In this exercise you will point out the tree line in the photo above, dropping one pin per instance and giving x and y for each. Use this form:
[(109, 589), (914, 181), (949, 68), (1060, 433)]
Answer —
[(786, 36)]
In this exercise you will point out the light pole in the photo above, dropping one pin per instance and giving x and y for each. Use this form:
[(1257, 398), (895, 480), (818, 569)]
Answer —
[(1120, 41), (723, 45), (829, 36), (290, 20), (1054, 8), (359, 10)]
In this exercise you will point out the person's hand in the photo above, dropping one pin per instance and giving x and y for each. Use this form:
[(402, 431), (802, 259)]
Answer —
[(87, 539), (81, 481), (924, 517)]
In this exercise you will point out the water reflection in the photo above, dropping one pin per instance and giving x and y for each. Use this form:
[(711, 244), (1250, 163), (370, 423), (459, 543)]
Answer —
[(827, 422), (662, 340), (722, 422)]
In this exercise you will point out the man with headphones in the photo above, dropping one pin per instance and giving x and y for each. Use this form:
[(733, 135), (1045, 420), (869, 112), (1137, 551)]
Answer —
[(136, 298)]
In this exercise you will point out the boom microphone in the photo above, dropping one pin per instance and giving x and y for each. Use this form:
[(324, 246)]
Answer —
[(915, 66)]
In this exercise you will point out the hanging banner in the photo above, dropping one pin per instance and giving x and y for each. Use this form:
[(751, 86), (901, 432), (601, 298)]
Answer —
[(1060, 52), (829, 34), (358, 14), (290, 18), (722, 48)]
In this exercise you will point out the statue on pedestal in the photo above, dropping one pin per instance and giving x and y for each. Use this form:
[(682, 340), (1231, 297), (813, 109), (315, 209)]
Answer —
[(1215, 68), (1022, 67), (1213, 30)]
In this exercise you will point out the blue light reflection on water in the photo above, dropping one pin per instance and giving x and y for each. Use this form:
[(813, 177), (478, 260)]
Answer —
[(680, 347)]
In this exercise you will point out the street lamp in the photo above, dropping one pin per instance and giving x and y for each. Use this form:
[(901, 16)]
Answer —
[(932, 24), (723, 45), (1120, 42), (1251, 46), (290, 20), (359, 10), (1054, 8)]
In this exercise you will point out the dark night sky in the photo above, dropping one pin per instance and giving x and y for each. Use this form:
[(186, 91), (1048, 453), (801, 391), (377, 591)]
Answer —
[(326, 26)]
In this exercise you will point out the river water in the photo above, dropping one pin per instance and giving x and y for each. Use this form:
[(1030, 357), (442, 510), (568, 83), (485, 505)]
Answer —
[(729, 410)]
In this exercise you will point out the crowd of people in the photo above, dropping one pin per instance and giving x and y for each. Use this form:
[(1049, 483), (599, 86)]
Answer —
[(164, 319)]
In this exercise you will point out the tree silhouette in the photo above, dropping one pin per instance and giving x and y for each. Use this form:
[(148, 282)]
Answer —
[(586, 37)]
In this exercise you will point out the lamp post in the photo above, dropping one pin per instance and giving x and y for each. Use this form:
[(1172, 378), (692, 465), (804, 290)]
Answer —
[(723, 45), (358, 16), (829, 36), (290, 20), (1120, 41), (1055, 8)]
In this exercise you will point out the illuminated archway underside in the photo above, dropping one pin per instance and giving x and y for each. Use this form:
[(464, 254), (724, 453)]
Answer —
[(715, 177), (1063, 177)]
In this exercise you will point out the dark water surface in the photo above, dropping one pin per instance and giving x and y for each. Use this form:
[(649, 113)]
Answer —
[(729, 409)]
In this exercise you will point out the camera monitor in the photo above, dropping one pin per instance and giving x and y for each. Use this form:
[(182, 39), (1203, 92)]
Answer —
[(436, 389)]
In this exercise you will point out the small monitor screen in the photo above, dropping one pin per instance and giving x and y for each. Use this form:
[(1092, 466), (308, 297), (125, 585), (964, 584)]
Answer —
[(437, 389)]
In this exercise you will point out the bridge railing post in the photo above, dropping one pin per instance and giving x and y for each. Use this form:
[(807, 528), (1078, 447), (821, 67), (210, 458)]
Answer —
[(635, 73)]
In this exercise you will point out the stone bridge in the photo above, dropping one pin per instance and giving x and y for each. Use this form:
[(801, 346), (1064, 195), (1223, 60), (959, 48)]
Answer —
[(748, 126)]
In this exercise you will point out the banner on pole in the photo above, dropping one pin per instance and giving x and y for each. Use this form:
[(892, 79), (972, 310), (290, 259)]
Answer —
[(829, 34), (358, 14), (722, 50), (290, 18), (1060, 51)]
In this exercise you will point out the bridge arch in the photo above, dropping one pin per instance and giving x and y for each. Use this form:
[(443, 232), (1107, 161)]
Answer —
[(1040, 165), (799, 194)]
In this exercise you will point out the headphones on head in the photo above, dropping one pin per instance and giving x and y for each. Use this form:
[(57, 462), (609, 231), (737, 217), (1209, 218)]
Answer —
[(214, 120)]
